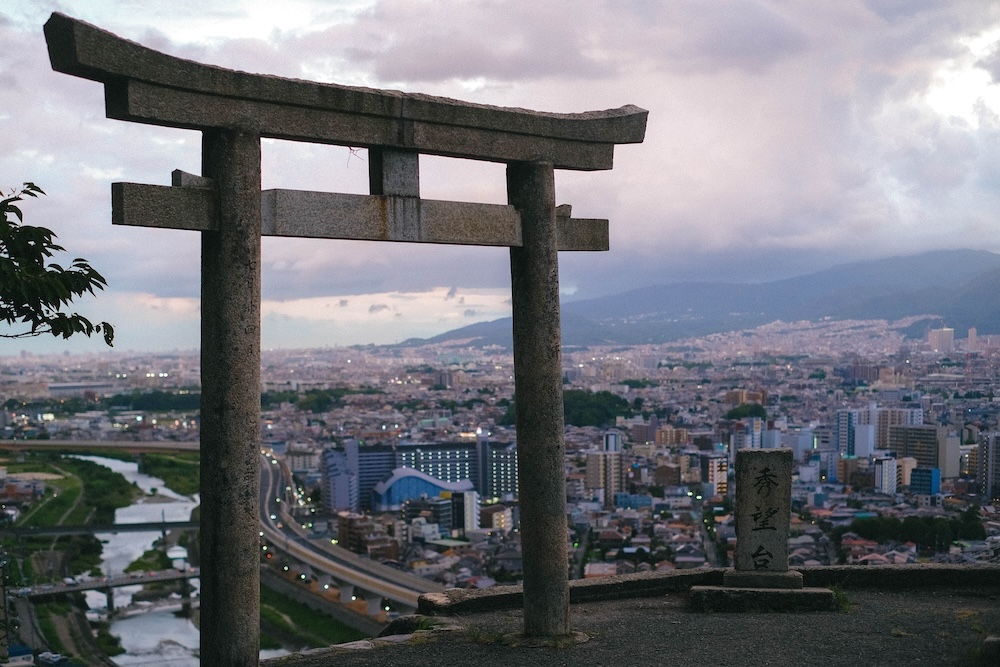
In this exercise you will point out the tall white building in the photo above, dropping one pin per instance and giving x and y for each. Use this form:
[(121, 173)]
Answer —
[(340, 482), (800, 442), (748, 435), (844, 429), (864, 440), (613, 441), (885, 476)]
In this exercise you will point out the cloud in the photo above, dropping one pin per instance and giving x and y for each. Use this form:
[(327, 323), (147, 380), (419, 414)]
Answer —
[(377, 308), (783, 137)]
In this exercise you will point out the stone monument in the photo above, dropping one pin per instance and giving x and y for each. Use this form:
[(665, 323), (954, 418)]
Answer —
[(761, 580)]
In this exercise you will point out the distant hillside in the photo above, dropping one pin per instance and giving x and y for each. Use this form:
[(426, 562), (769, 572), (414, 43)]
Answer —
[(960, 286)]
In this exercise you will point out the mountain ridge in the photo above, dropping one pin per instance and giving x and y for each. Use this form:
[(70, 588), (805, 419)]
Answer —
[(961, 287)]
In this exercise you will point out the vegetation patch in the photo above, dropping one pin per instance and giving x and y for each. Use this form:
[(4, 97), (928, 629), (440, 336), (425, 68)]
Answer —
[(840, 599), (110, 645), (153, 559), (931, 534), (181, 473), (268, 642), (51, 508), (295, 619), (46, 613)]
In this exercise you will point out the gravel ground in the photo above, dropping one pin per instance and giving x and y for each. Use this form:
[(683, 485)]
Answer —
[(924, 627)]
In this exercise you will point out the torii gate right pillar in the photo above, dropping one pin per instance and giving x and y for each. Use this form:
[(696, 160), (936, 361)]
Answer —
[(534, 270)]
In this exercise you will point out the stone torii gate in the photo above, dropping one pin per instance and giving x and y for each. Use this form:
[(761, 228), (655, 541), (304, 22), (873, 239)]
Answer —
[(234, 110)]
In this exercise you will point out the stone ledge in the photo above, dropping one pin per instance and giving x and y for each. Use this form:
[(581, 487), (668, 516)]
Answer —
[(736, 600), (642, 584), (902, 577), (655, 584), (789, 579)]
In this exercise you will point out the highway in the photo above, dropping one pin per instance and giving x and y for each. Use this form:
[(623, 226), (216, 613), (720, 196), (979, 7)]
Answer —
[(285, 534)]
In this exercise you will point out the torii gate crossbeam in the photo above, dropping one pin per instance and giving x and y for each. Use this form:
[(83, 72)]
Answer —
[(234, 110)]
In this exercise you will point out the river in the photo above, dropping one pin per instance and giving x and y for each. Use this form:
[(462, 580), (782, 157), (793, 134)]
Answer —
[(155, 638)]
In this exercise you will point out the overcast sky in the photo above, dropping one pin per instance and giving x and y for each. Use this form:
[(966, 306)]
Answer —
[(784, 136)]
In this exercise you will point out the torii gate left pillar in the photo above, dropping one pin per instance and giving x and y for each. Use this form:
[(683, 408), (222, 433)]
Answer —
[(233, 110), (230, 401)]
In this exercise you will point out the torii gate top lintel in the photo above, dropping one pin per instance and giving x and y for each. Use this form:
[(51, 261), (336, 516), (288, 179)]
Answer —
[(147, 86)]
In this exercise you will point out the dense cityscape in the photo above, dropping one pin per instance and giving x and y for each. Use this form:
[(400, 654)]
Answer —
[(743, 434), (409, 454)]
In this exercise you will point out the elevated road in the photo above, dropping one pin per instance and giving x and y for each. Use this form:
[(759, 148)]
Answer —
[(339, 563)]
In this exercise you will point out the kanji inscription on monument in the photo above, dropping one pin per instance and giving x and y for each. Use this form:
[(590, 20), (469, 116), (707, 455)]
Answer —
[(763, 508), (763, 512)]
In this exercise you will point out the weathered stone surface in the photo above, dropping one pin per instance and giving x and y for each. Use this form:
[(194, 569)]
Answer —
[(191, 208), (84, 50), (392, 172), (903, 577), (888, 578), (991, 649), (763, 509), (534, 271), (760, 579), (147, 86), (725, 599), (182, 179), (298, 213), (230, 404), (587, 234)]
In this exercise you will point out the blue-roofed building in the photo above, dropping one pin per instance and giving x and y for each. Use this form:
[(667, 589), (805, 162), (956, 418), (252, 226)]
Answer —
[(408, 484), (491, 466)]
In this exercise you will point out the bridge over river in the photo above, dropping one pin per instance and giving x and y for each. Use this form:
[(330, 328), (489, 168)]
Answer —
[(97, 529), (108, 584)]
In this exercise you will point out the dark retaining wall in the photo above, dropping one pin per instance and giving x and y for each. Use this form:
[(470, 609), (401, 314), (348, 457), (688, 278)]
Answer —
[(653, 584)]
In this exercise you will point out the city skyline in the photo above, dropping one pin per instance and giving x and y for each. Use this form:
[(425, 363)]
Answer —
[(782, 138)]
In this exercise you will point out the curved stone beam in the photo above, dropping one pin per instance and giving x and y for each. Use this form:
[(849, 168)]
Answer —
[(146, 86)]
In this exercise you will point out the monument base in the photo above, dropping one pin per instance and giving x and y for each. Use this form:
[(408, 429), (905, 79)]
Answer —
[(761, 579), (727, 599)]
